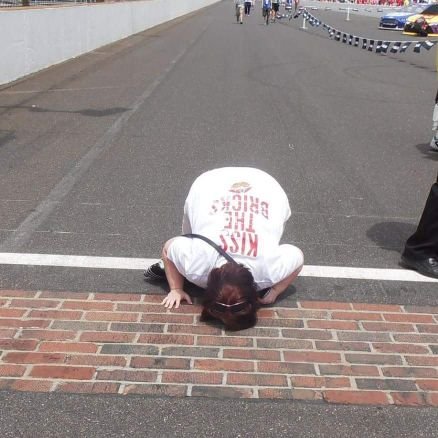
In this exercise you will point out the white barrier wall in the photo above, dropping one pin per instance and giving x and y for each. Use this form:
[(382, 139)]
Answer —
[(32, 39)]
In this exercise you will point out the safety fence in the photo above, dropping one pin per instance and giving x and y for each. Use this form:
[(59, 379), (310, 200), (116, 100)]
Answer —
[(37, 3)]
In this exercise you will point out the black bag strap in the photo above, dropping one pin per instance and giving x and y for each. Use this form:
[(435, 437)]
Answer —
[(214, 245)]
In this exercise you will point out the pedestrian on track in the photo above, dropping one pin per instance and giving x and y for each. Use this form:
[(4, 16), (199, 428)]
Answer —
[(233, 221)]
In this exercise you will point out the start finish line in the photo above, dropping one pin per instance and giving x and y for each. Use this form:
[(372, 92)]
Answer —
[(89, 262)]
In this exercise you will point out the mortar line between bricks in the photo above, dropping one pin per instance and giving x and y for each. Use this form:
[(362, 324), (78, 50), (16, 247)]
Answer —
[(189, 390), (38, 294), (121, 389), (159, 376)]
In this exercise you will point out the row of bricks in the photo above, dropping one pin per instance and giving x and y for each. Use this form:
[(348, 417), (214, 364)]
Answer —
[(209, 364), (369, 397), (185, 324), (16, 364), (157, 298), (149, 344), (133, 312), (201, 335)]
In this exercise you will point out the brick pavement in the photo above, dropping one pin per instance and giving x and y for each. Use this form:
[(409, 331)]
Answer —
[(129, 344)]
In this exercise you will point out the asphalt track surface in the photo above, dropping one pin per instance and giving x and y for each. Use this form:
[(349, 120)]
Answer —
[(98, 153)]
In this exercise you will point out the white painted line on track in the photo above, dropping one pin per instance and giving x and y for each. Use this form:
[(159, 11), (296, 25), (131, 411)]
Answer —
[(75, 261)]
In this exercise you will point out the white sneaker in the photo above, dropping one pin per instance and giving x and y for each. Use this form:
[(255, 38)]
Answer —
[(434, 143)]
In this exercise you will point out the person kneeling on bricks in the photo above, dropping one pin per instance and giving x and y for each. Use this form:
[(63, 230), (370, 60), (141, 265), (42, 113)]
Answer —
[(233, 221)]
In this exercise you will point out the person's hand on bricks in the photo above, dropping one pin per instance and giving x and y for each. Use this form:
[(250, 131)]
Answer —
[(175, 297)]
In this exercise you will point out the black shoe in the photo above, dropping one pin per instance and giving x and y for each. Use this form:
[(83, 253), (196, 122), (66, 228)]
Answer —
[(155, 272), (428, 267)]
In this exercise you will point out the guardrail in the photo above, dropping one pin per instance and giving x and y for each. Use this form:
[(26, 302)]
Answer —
[(29, 3)]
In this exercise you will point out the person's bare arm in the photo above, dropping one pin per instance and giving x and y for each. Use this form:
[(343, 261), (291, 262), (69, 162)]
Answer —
[(276, 290), (175, 280)]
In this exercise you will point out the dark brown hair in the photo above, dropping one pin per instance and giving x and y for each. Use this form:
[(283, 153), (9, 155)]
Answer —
[(230, 284)]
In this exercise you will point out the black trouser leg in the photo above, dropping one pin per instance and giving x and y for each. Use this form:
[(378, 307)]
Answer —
[(424, 242)]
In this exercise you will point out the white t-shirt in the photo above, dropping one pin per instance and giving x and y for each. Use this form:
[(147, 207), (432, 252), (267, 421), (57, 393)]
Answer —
[(244, 211)]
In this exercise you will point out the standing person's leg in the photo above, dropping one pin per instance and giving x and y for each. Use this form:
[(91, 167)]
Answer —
[(421, 249), (434, 141)]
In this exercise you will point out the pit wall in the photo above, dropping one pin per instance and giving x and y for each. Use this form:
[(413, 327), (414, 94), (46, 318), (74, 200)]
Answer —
[(33, 39)]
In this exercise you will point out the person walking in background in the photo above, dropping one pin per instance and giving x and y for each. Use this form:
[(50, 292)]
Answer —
[(248, 5), (275, 9), (421, 249), (240, 4), (266, 10)]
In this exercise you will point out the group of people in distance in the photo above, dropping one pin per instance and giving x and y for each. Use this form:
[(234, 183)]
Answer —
[(270, 8)]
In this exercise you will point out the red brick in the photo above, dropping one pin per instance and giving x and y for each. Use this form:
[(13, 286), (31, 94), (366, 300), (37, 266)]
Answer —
[(222, 392), (94, 360), (140, 307), (48, 335), (188, 309), (18, 293), (159, 390), (223, 365), (342, 346), (432, 399), (320, 382), (383, 359), (280, 322), (66, 295), (427, 328), (400, 348), (225, 341), (256, 379), (377, 307), (194, 329), (406, 317), (303, 314), (422, 309), (37, 323), (7, 333), (357, 316), (291, 394), (410, 372), (329, 305), (11, 370), (417, 339), (356, 397), (266, 313), (427, 384), (388, 327), (290, 344), (312, 356), (111, 316), (249, 354), (174, 363), (89, 387), (35, 304), (62, 372), (117, 297), (346, 370), (364, 336), (408, 398), (306, 334), (285, 367), (422, 360), (55, 314), (255, 331), (79, 347), (32, 385), (127, 375), (328, 324), (168, 318), (87, 305), (169, 339), (158, 298), (31, 358), (106, 337), (18, 344), (11, 313), (191, 377)]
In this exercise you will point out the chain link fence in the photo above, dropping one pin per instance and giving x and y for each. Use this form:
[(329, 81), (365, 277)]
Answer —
[(29, 3)]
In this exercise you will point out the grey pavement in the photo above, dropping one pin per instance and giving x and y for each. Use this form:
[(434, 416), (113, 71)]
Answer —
[(63, 415)]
